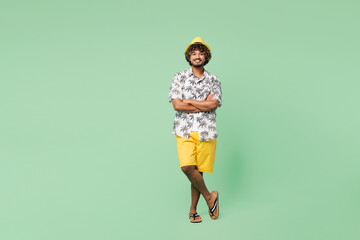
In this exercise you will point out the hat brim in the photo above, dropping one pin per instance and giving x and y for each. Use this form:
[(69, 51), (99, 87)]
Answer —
[(197, 43)]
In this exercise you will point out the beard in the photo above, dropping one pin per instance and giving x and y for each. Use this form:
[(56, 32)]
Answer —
[(201, 64)]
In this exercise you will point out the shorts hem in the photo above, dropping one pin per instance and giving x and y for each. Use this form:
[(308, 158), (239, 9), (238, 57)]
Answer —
[(200, 170), (190, 164)]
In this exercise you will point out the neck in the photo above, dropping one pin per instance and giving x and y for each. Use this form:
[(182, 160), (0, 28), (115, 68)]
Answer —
[(198, 70)]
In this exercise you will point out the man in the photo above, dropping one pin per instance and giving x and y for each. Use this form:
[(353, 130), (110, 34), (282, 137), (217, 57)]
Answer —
[(195, 94)]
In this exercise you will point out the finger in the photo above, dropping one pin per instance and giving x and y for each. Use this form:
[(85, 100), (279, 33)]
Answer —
[(210, 96)]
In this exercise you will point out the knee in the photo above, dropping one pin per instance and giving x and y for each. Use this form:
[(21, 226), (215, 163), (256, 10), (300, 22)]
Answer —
[(188, 169)]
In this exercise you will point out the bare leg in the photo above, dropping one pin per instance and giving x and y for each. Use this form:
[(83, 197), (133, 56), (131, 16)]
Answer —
[(198, 182), (195, 195)]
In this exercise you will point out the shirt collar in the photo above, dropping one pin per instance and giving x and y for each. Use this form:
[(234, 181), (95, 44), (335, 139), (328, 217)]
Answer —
[(190, 72)]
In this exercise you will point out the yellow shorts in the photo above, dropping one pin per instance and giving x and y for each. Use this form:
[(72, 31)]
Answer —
[(194, 152)]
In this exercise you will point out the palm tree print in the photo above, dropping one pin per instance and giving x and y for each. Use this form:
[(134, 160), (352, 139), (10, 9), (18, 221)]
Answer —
[(202, 124), (214, 135), (182, 79), (204, 134), (192, 82), (184, 129), (176, 91), (189, 89), (183, 116), (212, 128), (185, 85), (216, 91)]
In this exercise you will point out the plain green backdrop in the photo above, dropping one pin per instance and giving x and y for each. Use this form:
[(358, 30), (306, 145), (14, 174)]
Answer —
[(86, 150)]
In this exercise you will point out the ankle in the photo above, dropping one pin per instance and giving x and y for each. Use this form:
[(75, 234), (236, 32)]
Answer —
[(193, 210), (208, 197)]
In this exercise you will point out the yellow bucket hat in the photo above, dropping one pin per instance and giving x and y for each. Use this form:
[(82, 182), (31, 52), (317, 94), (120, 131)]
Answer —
[(197, 40)]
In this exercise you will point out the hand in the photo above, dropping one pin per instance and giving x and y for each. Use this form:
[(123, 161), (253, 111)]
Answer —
[(210, 97)]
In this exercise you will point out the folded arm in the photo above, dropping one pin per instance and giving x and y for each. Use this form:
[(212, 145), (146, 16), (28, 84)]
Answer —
[(204, 106), (194, 106), (182, 106)]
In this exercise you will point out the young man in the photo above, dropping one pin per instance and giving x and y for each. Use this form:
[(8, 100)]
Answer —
[(195, 94)]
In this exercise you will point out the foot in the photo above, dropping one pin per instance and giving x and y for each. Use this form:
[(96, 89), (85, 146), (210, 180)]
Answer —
[(195, 218), (214, 205), (211, 199)]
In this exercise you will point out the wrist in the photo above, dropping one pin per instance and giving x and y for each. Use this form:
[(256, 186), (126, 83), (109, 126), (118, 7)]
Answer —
[(187, 101)]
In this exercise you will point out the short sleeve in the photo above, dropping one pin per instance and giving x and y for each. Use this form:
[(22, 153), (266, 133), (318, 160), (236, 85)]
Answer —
[(216, 90), (175, 89)]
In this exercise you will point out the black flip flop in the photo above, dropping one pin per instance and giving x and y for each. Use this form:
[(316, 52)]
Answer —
[(215, 208), (194, 215)]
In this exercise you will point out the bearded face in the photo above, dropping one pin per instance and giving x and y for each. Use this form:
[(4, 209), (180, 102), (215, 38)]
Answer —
[(197, 58)]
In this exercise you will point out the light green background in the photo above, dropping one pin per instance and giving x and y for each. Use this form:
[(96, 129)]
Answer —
[(85, 128)]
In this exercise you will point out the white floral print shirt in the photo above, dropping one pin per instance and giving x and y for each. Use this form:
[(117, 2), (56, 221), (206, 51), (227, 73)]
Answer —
[(186, 85)]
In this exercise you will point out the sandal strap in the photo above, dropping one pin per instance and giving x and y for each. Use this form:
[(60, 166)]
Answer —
[(193, 215), (214, 207)]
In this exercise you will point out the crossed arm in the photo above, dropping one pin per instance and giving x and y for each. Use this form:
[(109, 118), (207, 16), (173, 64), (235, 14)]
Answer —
[(193, 106)]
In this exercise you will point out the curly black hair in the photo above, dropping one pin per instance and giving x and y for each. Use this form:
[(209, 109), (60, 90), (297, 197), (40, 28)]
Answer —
[(202, 48)]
